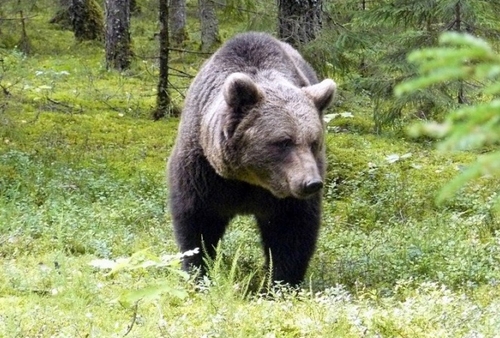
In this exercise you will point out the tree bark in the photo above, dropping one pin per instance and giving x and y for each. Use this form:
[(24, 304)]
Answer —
[(177, 21), (86, 20), (209, 24), (118, 42), (163, 101), (457, 26), (24, 43), (299, 21)]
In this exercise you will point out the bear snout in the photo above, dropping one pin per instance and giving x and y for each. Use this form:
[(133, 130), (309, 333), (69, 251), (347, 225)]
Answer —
[(311, 187), (306, 187), (304, 174)]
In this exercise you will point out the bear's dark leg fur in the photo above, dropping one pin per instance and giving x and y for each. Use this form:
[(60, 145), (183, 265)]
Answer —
[(289, 238), (193, 203), (201, 230)]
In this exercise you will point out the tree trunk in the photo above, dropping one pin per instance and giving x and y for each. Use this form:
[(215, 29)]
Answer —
[(299, 20), (118, 43), (177, 21), (86, 20), (24, 44), (457, 26), (209, 25), (163, 101)]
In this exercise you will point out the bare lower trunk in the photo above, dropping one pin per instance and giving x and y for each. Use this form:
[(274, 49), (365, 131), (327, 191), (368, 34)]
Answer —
[(163, 102), (461, 97), (209, 25), (118, 43), (177, 21), (299, 21), (24, 43)]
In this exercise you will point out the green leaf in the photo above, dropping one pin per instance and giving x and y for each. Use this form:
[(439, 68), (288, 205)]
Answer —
[(464, 39), (441, 75)]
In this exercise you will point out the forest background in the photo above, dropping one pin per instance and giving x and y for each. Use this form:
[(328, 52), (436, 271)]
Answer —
[(85, 131)]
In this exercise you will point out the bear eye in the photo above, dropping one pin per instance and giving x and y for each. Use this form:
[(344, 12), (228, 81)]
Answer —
[(283, 144)]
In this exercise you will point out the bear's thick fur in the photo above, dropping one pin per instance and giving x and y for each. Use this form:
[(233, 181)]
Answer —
[(250, 141)]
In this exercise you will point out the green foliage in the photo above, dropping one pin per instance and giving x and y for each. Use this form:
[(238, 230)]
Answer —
[(143, 261), (48, 202), (82, 179), (381, 223), (464, 58), (367, 47)]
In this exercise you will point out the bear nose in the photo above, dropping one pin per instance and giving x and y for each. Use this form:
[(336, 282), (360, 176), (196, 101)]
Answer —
[(312, 186)]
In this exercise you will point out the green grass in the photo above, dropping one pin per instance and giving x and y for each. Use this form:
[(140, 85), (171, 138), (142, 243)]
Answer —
[(82, 178)]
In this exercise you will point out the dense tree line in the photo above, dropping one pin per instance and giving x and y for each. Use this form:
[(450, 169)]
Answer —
[(364, 42), (368, 43)]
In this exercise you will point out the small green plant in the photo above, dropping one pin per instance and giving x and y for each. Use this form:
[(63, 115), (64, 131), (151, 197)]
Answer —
[(142, 261)]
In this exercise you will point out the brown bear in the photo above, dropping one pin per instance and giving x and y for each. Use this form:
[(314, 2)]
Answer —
[(251, 141)]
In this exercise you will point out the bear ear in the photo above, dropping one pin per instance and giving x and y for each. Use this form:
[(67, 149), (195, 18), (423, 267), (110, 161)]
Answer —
[(322, 93), (240, 90)]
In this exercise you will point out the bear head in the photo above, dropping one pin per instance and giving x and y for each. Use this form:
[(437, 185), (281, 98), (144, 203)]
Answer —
[(270, 133)]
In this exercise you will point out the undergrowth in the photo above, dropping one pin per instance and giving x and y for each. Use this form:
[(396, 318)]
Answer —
[(82, 178)]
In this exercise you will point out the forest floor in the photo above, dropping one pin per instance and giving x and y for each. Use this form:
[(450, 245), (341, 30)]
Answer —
[(82, 184)]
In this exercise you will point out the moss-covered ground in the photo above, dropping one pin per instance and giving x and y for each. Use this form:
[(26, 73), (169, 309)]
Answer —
[(82, 178)]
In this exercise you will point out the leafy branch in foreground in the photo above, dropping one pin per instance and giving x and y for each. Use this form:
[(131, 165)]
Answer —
[(461, 57)]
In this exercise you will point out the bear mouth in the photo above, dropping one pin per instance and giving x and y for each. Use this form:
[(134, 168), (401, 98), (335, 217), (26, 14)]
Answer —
[(301, 195), (305, 195)]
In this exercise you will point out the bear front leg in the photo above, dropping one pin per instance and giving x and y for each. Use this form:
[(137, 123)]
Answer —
[(198, 229), (289, 238)]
